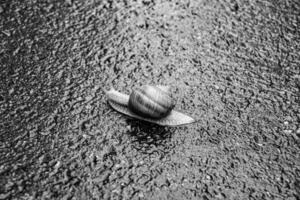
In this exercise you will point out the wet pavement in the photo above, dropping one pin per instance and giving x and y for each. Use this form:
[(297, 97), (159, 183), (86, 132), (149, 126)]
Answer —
[(233, 65)]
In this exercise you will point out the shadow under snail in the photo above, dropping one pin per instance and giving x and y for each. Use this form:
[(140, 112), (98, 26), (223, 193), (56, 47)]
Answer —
[(149, 103)]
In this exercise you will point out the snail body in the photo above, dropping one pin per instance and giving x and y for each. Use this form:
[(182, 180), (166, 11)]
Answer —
[(149, 103)]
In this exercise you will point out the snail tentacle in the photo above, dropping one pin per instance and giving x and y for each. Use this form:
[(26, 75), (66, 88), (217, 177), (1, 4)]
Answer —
[(117, 97)]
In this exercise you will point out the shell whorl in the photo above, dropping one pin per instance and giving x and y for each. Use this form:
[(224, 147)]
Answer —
[(151, 101)]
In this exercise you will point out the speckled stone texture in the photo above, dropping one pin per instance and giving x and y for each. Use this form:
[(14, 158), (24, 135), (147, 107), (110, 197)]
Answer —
[(233, 65)]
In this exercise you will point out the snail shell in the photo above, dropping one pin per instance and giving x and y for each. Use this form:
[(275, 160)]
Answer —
[(151, 101)]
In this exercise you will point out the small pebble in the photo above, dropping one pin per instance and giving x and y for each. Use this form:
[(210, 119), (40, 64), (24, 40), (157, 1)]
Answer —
[(11, 91), (88, 98), (141, 195), (287, 131), (42, 159), (128, 128), (57, 165), (5, 196), (7, 33), (69, 2), (44, 133)]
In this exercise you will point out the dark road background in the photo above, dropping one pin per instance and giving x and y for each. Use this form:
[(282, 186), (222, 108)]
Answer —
[(233, 65)]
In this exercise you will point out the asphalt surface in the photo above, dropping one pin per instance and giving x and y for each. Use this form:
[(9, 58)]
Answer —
[(233, 65)]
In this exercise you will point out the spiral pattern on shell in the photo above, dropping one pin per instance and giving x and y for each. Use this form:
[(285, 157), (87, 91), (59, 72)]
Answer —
[(151, 101)]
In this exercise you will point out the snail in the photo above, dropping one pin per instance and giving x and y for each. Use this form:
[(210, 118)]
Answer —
[(149, 103)]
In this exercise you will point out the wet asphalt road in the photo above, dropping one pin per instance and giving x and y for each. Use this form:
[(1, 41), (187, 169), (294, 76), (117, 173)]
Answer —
[(233, 65)]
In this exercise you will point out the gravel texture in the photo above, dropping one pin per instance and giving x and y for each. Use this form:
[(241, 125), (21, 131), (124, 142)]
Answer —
[(233, 65)]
